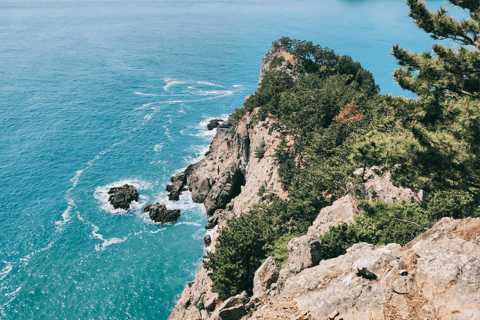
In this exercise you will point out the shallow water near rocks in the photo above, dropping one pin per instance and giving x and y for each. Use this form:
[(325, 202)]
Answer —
[(102, 93)]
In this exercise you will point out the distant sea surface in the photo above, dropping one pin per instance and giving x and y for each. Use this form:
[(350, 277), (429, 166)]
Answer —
[(95, 94)]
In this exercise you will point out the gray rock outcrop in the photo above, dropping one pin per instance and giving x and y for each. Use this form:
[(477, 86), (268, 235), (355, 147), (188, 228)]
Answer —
[(303, 252), (121, 197), (265, 276), (342, 210), (227, 181), (159, 213), (232, 309), (378, 184), (435, 276)]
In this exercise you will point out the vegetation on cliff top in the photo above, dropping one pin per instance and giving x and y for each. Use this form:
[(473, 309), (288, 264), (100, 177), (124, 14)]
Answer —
[(341, 123)]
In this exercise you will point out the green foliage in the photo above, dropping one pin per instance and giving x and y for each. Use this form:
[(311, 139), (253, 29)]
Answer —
[(239, 252), (457, 204), (377, 225), (261, 191), (201, 304), (277, 62), (278, 249), (435, 137), (306, 109), (259, 152)]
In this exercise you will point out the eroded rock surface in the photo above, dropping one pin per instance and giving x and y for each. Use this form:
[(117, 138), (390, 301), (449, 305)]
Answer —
[(435, 276), (265, 276), (121, 197)]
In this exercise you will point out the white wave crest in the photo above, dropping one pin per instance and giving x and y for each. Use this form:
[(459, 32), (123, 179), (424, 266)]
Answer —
[(145, 94), (65, 215), (106, 242), (237, 86), (209, 84), (189, 223), (6, 270), (13, 293), (214, 92), (171, 82), (212, 231), (158, 147), (157, 231), (202, 127), (109, 242), (29, 256)]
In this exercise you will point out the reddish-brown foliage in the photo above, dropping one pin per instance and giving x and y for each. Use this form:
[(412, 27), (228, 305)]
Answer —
[(349, 114)]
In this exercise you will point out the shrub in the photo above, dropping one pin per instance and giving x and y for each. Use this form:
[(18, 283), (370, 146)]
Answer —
[(278, 61), (379, 224), (259, 153)]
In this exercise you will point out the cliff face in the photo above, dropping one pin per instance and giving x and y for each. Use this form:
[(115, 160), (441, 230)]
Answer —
[(227, 181)]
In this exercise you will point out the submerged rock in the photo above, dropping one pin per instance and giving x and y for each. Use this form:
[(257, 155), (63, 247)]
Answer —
[(121, 197), (214, 124), (159, 213)]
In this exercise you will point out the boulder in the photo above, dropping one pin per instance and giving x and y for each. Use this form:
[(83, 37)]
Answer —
[(342, 210), (232, 309), (303, 252), (378, 184), (265, 276), (121, 197), (214, 124), (227, 187), (211, 301), (207, 240), (159, 213), (200, 186)]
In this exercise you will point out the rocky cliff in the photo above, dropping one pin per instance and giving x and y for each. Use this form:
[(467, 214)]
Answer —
[(435, 276), (227, 182)]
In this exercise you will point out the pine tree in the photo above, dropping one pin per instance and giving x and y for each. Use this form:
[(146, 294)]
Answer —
[(434, 138)]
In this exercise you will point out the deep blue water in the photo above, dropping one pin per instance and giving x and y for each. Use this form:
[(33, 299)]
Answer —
[(94, 94)]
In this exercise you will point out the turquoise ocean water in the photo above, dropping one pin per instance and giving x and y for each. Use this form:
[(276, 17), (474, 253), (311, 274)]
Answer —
[(95, 94)]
